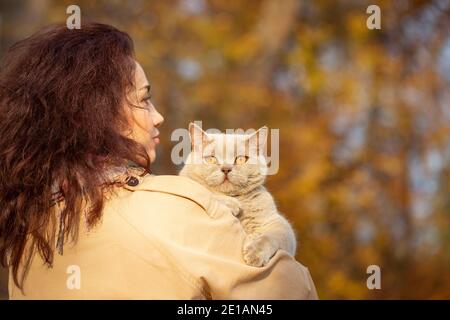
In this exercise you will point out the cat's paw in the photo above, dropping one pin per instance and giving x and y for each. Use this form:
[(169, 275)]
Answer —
[(257, 250), (232, 203)]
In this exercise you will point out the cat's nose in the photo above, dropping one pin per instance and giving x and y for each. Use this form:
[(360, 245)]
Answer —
[(226, 169)]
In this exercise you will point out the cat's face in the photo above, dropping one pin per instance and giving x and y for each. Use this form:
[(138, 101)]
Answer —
[(227, 163)]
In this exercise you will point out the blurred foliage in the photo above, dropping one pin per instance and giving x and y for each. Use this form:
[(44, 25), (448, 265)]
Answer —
[(363, 117)]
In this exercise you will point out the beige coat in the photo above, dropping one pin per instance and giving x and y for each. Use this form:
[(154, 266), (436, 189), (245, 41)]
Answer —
[(164, 238)]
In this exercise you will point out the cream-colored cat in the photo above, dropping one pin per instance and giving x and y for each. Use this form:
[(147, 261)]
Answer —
[(229, 165)]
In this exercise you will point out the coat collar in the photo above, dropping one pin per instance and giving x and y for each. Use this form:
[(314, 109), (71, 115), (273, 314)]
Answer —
[(121, 175)]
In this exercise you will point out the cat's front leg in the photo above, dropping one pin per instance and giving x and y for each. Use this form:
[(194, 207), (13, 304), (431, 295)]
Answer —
[(232, 203), (258, 249)]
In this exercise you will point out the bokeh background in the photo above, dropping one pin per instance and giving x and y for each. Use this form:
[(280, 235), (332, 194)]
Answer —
[(364, 117)]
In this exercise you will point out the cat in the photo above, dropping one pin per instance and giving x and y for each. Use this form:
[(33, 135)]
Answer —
[(229, 165)]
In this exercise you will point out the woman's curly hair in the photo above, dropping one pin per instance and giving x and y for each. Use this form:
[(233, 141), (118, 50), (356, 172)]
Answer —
[(62, 123)]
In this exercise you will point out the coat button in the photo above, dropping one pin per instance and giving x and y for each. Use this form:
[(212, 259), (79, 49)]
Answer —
[(132, 181)]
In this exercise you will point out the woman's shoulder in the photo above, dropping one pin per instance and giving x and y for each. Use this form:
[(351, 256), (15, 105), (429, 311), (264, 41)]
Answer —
[(206, 248), (171, 182), (176, 208), (181, 187)]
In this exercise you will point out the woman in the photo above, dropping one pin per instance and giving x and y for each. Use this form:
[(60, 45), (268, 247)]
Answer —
[(80, 215)]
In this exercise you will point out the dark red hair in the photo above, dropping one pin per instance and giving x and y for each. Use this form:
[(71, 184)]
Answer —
[(63, 123)]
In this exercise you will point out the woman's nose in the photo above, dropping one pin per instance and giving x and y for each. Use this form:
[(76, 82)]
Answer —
[(158, 120)]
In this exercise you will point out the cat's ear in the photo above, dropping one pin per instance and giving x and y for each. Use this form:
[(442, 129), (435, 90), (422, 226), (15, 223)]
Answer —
[(258, 138), (197, 135)]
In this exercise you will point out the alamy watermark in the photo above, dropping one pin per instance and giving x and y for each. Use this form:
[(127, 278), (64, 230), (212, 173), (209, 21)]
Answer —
[(74, 20), (249, 143), (374, 280), (73, 281), (374, 20)]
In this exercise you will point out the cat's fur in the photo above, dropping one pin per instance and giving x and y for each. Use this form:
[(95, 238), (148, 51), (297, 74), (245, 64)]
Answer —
[(243, 191)]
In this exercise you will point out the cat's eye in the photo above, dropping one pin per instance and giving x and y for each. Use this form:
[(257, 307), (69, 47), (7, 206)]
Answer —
[(210, 160), (240, 159)]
